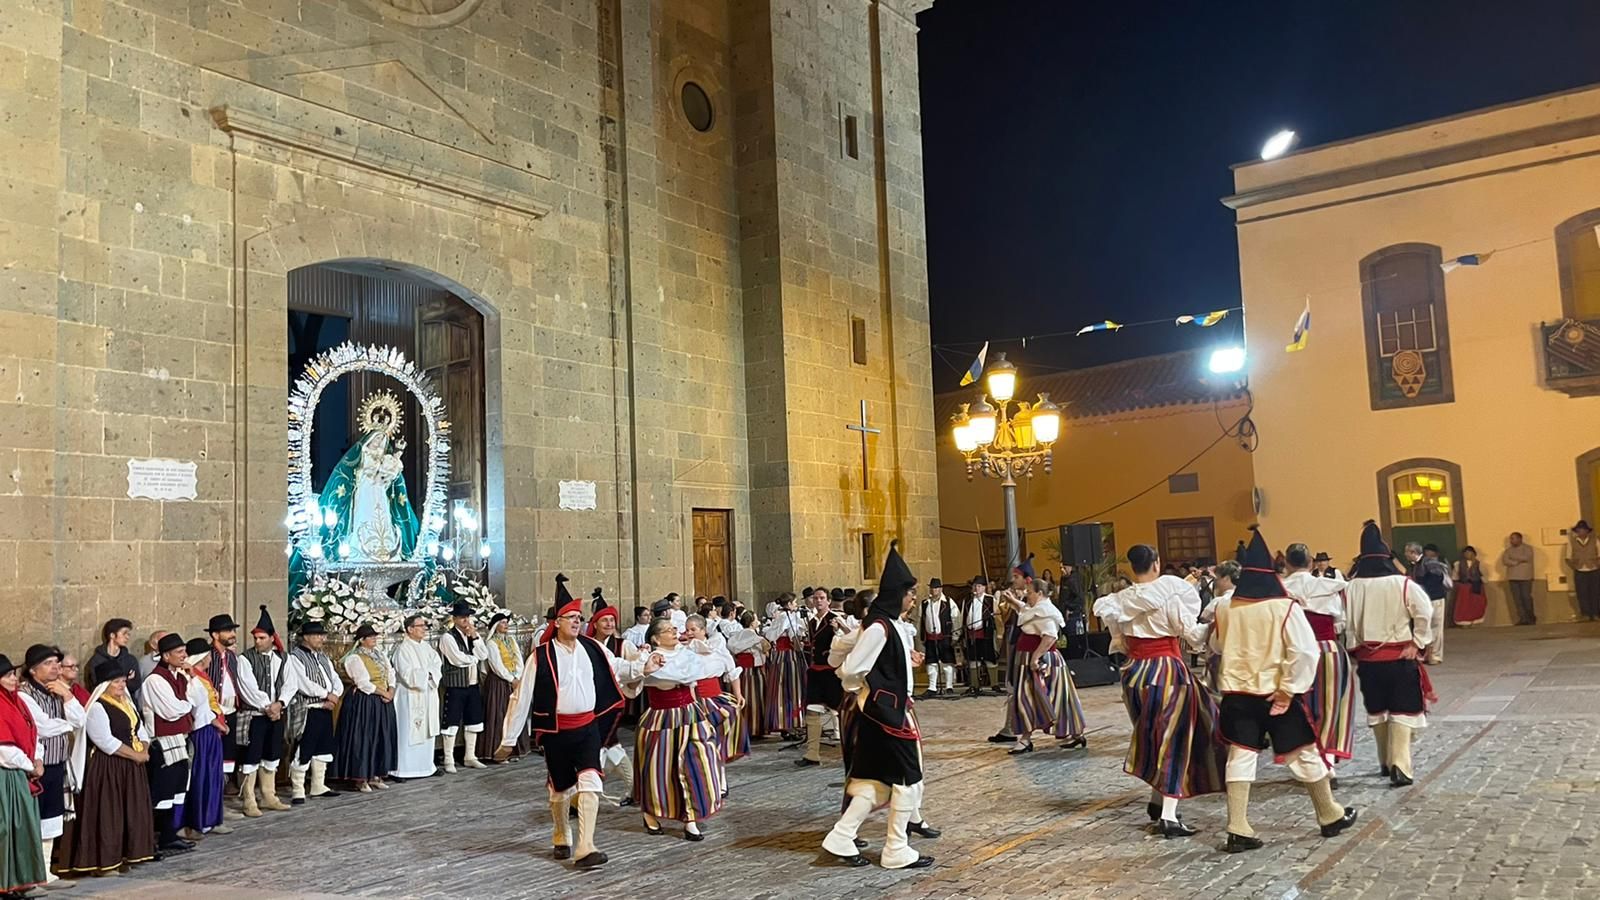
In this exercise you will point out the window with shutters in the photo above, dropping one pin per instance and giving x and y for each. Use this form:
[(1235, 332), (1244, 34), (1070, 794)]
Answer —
[(1578, 255), (1186, 540), (1407, 333)]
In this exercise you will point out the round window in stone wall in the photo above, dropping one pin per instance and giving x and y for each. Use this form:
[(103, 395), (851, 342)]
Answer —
[(697, 107)]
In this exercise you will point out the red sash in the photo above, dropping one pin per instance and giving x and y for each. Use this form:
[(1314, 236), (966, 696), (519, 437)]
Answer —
[(573, 721), (669, 698), (1028, 643), (1152, 648), (708, 687), (976, 634), (745, 660), (784, 644), (1370, 652), (1322, 626)]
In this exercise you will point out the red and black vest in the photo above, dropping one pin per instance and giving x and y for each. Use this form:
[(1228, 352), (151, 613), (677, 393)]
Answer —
[(887, 700), (546, 684), (180, 689)]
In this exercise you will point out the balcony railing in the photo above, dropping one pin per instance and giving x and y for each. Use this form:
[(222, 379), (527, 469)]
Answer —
[(1572, 357)]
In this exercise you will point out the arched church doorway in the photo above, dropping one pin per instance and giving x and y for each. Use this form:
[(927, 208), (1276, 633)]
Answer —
[(380, 303)]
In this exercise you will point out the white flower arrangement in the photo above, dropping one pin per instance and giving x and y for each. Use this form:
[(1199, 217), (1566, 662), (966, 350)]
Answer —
[(341, 607)]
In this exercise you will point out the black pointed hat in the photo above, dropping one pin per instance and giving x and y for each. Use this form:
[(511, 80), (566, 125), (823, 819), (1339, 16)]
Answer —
[(1026, 567), (264, 624), (1376, 558), (563, 596), (892, 585), (1258, 580)]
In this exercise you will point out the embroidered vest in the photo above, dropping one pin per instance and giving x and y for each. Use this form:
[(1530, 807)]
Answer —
[(55, 748)]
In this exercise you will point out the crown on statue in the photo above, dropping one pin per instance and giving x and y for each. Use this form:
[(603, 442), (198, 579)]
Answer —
[(381, 411)]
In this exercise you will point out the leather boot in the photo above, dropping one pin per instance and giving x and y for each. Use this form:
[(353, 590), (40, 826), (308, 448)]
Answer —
[(247, 794), (267, 783), (319, 781)]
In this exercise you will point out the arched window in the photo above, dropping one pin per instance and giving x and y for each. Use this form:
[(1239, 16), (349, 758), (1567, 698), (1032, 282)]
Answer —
[(1407, 330), (1578, 256), (1422, 497)]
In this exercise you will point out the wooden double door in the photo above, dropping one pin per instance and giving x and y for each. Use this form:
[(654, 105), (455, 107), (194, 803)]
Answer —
[(713, 552)]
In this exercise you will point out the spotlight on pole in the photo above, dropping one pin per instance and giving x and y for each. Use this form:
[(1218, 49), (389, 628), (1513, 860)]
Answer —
[(1278, 144), (1227, 360)]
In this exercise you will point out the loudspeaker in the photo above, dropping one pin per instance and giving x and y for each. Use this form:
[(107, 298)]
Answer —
[(1091, 643), (1092, 671), (1082, 545)]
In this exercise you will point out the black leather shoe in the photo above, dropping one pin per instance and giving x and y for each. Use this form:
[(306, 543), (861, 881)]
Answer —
[(297, 801), (625, 802), (694, 835), (860, 844), (1153, 810), (1003, 738), (1238, 843), (802, 762), (1077, 743), (1384, 771), (593, 859), (970, 692), (178, 845), (1333, 828), (561, 851), (1170, 829), (928, 695), (1018, 751), (854, 862), (653, 830), (922, 862), (1398, 778), (924, 829)]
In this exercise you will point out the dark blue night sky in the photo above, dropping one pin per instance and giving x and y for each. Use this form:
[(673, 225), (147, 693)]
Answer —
[(1076, 151)]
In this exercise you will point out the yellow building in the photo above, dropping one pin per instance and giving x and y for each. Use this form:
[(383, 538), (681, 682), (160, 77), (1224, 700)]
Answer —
[(1453, 403), (1144, 449)]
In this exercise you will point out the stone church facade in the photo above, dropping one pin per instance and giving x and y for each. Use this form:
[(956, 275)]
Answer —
[(693, 230)]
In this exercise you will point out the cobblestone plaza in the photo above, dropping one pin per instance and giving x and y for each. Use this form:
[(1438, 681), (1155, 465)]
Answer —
[(1505, 805)]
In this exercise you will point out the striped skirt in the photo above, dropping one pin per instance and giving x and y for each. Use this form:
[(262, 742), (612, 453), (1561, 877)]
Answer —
[(786, 691), (723, 714), (1332, 699), (753, 717), (1175, 746), (1044, 700), (677, 764)]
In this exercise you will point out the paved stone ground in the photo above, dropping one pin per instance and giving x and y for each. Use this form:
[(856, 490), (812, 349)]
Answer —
[(1507, 804)]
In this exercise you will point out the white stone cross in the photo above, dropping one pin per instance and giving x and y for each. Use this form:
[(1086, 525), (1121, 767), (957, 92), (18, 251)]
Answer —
[(865, 430)]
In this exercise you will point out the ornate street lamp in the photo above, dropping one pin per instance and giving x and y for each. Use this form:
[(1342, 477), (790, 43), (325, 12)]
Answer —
[(1003, 445)]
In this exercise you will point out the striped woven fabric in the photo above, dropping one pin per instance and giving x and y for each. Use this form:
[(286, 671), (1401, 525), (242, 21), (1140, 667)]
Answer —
[(753, 717), (786, 691), (1175, 747), (1332, 699), (1045, 700), (677, 765), (723, 714)]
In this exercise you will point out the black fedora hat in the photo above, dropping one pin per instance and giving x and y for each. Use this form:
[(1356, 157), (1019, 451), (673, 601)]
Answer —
[(223, 622)]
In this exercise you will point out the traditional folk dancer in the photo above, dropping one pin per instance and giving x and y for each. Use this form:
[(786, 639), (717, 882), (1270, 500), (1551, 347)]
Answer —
[(265, 693), (1043, 695), (719, 690), (979, 631), (573, 681), (1010, 598), (786, 669), (365, 744), (316, 692), (749, 651), (462, 653), (202, 804), (1333, 693), (1227, 578), (169, 717), (1269, 661), (500, 679), (884, 765), (417, 669), (940, 620), (56, 714), (1388, 622), (23, 863), (114, 825), (823, 693), (1174, 747), (613, 756), (678, 772), (222, 669)]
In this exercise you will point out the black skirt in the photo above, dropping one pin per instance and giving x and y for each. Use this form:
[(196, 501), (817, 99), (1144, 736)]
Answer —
[(365, 745)]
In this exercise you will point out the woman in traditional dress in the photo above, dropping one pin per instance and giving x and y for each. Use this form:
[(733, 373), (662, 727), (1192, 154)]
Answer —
[(786, 669), (504, 671), (22, 864), (115, 825), (364, 741), (1470, 604), (722, 704), (1175, 746), (202, 805), (1227, 576), (1043, 696), (677, 764), (749, 651)]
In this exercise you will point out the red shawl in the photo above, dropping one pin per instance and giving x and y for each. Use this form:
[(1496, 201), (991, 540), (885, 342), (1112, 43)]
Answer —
[(16, 724)]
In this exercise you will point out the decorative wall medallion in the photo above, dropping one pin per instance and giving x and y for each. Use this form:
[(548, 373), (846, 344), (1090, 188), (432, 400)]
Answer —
[(1409, 372), (426, 13)]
